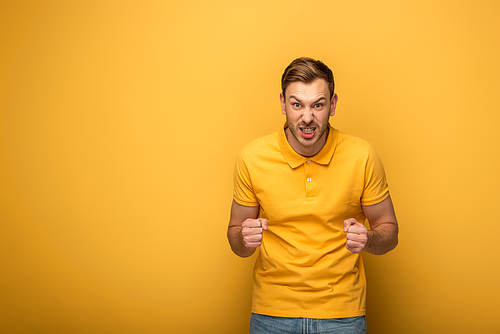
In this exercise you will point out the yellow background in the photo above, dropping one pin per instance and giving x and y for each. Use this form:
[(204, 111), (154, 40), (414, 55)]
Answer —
[(120, 122)]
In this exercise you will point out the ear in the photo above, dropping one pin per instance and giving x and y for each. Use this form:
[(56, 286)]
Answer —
[(282, 99), (333, 104)]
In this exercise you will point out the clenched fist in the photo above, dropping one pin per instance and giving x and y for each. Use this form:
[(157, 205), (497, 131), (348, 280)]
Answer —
[(252, 232), (357, 235)]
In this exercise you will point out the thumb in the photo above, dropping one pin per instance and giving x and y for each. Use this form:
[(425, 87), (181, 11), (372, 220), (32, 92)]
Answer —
[(349, 222), (264, 223)]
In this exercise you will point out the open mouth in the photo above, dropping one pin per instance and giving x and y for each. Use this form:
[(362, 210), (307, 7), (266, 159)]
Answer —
[(308, 132)]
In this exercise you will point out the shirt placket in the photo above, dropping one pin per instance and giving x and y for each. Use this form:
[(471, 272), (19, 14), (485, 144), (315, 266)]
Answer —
[(311, 182)]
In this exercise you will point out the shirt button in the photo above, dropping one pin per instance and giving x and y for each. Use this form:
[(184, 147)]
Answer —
[(308, 161), (308, 179)]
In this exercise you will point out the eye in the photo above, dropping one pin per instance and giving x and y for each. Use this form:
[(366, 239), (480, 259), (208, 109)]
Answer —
[(296, 105), (318, 105)]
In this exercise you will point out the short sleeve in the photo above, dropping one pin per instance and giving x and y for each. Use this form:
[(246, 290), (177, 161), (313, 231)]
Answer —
[(243, 190), (376, 188)]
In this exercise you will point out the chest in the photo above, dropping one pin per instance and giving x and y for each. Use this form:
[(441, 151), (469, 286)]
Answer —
[(324, 193)]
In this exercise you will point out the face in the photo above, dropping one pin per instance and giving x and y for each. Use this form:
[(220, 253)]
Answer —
[(307, 107)]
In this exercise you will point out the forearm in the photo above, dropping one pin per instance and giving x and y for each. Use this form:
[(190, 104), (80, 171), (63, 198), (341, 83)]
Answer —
[(382, 239), (235, 238)]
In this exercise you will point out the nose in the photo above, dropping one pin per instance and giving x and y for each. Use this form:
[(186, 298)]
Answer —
[(307, 115)]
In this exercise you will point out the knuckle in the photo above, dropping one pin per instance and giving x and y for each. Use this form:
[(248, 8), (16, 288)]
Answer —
[(248, 222)]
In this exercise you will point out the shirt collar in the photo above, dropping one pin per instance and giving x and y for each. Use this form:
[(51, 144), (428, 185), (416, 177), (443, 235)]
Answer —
[(323, 157)]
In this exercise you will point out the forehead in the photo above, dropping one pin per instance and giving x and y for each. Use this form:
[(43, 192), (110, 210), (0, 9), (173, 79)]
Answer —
[(312, 90)]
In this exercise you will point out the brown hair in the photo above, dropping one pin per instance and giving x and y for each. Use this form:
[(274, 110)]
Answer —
[(307, 70)]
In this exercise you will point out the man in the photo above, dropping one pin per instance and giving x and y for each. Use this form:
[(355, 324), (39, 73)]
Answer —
[(302, 195)]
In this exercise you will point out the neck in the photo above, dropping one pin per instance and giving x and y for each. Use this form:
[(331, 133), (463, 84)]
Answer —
[(303, 150)]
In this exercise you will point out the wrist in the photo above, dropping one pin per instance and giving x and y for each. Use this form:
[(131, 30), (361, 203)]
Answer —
[(369, 240)]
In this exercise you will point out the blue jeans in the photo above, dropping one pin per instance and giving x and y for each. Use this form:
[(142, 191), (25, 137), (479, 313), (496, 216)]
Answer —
[(264, 324)]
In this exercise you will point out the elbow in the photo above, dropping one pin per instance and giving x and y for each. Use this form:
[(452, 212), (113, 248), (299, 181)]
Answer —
[(394, 241), (388, 246), (392, 245)]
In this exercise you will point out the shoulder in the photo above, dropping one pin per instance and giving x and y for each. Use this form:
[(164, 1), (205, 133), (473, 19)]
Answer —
[(349, 144), (262, 146)]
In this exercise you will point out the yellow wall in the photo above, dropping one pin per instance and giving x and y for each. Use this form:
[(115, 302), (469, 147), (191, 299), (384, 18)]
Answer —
[(120, 122)]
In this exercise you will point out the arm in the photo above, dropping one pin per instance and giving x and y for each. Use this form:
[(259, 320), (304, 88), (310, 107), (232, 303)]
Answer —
[(245, 229), (383, 236)]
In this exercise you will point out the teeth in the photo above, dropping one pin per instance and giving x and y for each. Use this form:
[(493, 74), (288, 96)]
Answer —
[(307, 130)]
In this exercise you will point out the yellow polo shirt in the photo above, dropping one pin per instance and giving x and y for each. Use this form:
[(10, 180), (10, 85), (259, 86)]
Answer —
[(303, 268)]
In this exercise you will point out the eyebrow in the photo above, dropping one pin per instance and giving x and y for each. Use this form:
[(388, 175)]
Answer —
[(293, 97)]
